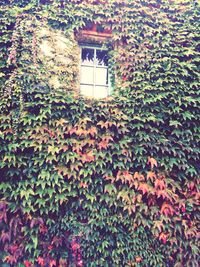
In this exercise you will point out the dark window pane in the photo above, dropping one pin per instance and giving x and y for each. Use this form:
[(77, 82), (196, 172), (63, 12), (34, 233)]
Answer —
[(87, 56), (102, 58)]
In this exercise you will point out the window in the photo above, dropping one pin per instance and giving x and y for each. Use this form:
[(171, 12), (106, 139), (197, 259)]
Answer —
[(94, 72)]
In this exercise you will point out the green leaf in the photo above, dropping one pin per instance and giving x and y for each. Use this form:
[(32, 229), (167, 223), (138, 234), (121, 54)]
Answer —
[(110, 189)]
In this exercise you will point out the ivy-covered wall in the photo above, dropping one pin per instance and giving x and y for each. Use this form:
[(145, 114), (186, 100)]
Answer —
[(99, 183)]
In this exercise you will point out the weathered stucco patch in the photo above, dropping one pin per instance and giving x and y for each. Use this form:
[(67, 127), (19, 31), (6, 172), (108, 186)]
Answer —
[(59, 56)]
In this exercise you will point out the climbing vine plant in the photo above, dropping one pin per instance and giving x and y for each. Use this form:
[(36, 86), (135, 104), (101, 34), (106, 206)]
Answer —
[(112, 182)]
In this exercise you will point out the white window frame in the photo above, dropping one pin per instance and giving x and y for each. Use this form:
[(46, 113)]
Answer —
[(95, 66)]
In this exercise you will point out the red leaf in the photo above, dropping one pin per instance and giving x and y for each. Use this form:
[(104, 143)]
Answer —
[(93, 131), (151, 201), (65, 148), (138, 176), (83, 185), (40, 261), (80, 263), (151, 175), (75, 246), (163, 194), (52, 263), (124, 78), (183, 209), (152, 162), (3, 205), (191, 185), (50, 247), (5, 236), (10, 259), (158, 225), (87, 157), (43, 229), (13, 248), (103, 144), (167, 209), (163, 237), (57, 241), (112, 179), (8, 131), (128, 177), (138, 259), (144, 188), (32, 224), (159, 184), (40, 220), (27, 263)]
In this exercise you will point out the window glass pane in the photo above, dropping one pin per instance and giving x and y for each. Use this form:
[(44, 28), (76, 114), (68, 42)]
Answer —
[(101, 76), (94, 72), (87, 56), (87, 75), (100, 91), (102, 58), (87, 90)]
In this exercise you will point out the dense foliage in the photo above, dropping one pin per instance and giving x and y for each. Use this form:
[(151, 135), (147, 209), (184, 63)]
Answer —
[(101, 183)]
